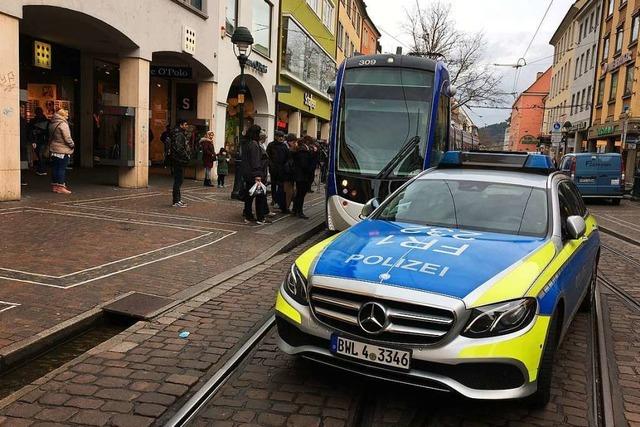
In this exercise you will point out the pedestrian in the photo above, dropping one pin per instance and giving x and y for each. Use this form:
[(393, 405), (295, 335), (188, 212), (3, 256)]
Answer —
[(180, 157), (61, 146), (288, 179), (315, 161), (303, 174), (254, 171), (278, 153), (208, 156), (223, 166), (38, 134), (165, 138)]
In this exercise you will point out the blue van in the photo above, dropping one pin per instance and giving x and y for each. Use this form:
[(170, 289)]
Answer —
[(597, 175)]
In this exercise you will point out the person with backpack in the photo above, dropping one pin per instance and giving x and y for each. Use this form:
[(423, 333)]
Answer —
[(223, 166), (180, 157), (38, 134), (61, 146)]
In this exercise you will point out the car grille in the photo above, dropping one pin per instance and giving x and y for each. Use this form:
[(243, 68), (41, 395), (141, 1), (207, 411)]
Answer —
[(408, 323)]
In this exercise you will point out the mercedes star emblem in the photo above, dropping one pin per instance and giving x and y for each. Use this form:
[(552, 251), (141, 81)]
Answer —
[(372, 318)]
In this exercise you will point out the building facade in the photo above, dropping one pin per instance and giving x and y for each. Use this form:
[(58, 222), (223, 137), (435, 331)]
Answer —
[(558, 105), (527, 114), (307, 66), (127, 70), (586, 33), (370, 38), (616, 114), (349, 34), (505, 144)]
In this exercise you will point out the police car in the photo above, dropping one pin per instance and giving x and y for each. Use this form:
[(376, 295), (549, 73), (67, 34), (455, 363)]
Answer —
[(465, 280)]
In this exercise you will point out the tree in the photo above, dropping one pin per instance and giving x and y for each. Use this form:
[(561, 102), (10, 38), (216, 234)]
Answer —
[(435, 36)]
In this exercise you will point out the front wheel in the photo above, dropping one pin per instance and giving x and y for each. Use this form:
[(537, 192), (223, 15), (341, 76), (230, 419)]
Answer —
[(542, 395), (589, 298)]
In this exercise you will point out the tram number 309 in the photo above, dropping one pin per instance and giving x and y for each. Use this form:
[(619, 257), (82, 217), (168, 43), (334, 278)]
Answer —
[(367, 62)]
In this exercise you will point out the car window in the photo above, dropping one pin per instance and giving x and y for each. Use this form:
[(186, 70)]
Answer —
[(566, 161), (576, 197), (484, 206), (568, 207)]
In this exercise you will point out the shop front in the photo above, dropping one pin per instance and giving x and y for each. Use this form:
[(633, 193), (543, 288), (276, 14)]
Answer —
[(621, 136)]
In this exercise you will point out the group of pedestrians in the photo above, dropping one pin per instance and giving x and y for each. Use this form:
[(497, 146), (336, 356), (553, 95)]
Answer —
[(290, 162), (51, 141)]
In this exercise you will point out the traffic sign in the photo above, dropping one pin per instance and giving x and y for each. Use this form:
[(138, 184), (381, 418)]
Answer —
[(557, 126)]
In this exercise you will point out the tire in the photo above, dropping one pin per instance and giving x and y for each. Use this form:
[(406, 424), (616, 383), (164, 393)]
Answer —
[(589, 298), (615, 202), (542, 395)]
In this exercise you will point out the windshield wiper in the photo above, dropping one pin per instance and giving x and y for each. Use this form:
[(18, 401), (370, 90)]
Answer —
[(407, 148)]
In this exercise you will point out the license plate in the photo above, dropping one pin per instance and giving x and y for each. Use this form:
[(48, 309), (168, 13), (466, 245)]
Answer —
[(615, 182), (587, 180), (385, 356)]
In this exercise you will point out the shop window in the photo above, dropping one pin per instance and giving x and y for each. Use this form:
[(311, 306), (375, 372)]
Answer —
[(619, 39), (231, 17), (628, 81), (262, 27), (304, 58), (614, 87), (635, 28)]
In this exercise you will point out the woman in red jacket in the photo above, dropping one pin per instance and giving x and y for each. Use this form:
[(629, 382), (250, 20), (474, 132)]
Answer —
[(208, 156)]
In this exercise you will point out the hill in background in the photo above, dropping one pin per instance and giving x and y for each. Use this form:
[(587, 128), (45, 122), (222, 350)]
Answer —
[(492, 136)]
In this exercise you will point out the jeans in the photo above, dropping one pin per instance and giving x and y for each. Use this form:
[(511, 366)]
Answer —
[(279, 197), (302, 187), (41, 165), (221, 179), (207, 174), (59, 169), (178, 177), (262, 206)]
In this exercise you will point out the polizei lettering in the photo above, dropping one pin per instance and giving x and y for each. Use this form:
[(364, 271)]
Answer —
[(400, 263)]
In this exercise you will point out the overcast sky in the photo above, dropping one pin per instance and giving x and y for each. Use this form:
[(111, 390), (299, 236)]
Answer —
[(508, 26)]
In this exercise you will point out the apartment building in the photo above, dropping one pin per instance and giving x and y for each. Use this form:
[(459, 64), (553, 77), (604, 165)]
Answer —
[(350, 23), (527, 114)]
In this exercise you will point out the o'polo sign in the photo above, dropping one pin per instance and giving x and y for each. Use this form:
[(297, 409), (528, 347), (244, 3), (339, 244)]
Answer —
[(170, 72)]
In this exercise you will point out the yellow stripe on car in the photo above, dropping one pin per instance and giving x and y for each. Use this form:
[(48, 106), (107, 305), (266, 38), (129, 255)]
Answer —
[(516, 282), (526, 348), (305, 260), (286, 309)]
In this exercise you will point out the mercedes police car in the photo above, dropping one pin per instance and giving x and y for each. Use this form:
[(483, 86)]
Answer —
[(464, 280)]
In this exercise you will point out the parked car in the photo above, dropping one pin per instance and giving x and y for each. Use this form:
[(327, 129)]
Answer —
[(597, 175)]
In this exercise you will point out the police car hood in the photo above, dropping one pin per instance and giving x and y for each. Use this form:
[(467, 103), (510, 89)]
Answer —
[(451, 262)]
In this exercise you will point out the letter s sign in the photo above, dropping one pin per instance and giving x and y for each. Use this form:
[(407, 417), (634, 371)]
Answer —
[(186, 103)]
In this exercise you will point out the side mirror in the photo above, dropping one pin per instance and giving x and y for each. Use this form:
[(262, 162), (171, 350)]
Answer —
[(576, 227), (331, 90), (369, 207)]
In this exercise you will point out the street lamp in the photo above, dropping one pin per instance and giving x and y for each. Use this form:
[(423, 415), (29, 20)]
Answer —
[(242, 42), (566, 128)]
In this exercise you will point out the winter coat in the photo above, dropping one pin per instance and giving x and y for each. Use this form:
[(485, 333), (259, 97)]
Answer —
[(60, 136), (179, 150), (38, 130), (208, 152), (278, 153), (303, 164), (254, 162), (223, 164)]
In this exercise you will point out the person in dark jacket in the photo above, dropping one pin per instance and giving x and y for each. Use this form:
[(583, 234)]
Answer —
[(38, 134), (288, 179), (255, 162), (180, 157), (278, 153), (303, 169), (208, 157), (223, 166)]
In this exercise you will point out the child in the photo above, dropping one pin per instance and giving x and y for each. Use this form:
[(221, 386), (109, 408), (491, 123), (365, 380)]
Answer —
[(223, 166)]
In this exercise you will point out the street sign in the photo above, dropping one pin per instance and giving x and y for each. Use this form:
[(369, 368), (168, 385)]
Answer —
[(556, 137), (282, 88), (557, 126)]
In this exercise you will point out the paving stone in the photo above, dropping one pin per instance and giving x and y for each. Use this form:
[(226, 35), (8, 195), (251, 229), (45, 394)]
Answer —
[(54, 399), (56, 414), (84, 403), (158, 398), (120, 407), (149, 409), (187, 380), (117, 394), (173, 389), (123, 420), (90, 418)]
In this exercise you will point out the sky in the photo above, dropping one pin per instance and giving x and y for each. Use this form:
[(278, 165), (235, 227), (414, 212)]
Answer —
[(508, 27)]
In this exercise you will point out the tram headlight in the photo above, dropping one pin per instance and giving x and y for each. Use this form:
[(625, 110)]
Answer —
[(296, 285), (500, 319)]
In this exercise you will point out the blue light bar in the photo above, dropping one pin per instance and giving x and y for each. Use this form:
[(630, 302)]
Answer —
[(539, 163)]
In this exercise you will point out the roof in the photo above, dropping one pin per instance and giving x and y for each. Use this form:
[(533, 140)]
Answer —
[(568, 18), (368, 18), (487, 175)]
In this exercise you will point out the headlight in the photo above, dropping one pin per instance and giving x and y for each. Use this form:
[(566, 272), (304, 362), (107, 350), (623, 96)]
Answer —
[(500, 319), (296, 285)]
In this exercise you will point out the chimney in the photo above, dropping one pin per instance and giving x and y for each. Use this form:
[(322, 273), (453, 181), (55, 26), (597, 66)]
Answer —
[(399, 50), (539, 74)]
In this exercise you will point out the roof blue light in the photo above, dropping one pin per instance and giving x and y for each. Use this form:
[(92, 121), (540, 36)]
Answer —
[(540, 163)]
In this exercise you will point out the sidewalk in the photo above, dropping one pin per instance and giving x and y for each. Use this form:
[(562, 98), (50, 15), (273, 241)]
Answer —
[(63, 257)]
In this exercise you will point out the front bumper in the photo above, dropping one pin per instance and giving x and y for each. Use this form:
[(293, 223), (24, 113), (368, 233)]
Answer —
[(489, 368)]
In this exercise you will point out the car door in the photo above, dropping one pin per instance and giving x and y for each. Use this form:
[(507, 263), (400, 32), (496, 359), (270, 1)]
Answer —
[(577, 270), (586, 174), (609, 174)]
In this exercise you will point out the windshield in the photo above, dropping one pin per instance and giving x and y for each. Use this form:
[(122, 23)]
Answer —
[(384, 121), (483, 206)]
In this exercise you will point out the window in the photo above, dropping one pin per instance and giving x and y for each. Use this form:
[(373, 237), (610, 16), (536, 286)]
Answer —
[(315, 5), (614, 86), (611, 6), (327, 14), (231, 16), (605, 49), (586, 61), (591, 28), (340, 36), (577, 70), (580, 32), (593, 56), (588, 102), (347, 43), (619, 39), (600, 92), (586, 27), (635, 28), (583, 99), (262, 27), (573, 102), (304, 58), (349, 7), (196, 4), (628, 81)]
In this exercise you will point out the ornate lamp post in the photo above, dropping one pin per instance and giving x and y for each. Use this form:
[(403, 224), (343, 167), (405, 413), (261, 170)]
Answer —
[(242, 41)]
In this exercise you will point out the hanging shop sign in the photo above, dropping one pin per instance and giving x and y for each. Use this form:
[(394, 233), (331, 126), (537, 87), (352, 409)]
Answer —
[(171, 72), (42, 54), (258, 66), (605, 130), (529, 139), (309, 101), (617, 63)]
